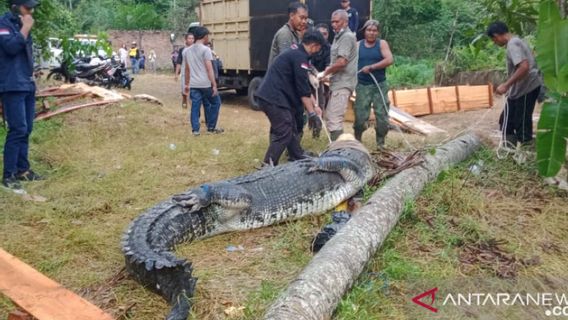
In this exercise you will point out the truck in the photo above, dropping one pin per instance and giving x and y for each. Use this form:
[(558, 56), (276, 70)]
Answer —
[(242, 30)]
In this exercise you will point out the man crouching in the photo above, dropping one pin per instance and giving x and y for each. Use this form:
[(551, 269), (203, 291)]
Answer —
[(285, 87)]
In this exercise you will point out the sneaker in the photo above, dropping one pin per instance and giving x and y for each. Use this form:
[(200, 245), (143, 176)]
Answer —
[(29, 176), (215, 131), (12, 183), (196, 133)]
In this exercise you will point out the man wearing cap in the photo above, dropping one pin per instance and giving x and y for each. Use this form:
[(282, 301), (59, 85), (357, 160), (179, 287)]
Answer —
[(17, 90), (134, 55)]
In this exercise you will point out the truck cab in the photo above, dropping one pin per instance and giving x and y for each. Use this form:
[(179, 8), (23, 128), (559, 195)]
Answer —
[(242, 31)]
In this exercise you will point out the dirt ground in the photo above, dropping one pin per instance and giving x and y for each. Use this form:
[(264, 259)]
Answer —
[(483, 121)]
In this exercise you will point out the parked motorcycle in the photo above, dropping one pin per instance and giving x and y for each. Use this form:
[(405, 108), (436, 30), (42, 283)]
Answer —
[(102, 72)]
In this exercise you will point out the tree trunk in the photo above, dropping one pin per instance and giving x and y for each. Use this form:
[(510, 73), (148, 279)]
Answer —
[(318, 289)]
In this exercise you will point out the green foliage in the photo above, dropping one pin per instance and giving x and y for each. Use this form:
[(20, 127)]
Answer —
[(137, 17), (72, 48), (472, 58), (519, 15), (553, 61), (408, 73), (423, 29), (103, 15), (51, 20), (551, 135)]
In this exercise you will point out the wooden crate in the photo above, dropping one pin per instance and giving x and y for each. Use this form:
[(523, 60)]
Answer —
[(444, 99), (415, 101), (475, 97)]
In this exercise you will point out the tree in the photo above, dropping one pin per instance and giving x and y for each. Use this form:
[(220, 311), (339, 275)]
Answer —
[(423, 29), (52, 19)]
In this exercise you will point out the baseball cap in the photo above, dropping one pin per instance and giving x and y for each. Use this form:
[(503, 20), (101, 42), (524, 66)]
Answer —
[(25, 3)]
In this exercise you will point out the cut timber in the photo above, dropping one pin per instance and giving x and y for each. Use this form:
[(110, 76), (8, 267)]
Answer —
[(315, 293), (48, 115), (414, 124), (420, 102), (97, 91), (413, 101), (62, 101), (148, 98), (474, 97), (401, 119), (40, 296), (61, 93)]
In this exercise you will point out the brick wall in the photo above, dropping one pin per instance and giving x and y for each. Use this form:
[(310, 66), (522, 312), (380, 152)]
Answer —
[(148, 40)]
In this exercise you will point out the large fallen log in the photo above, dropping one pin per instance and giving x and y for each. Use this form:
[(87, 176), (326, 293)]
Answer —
[(315, 293)]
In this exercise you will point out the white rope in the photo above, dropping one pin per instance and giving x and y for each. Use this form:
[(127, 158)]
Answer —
[(323, 124), (408, 144), (503, 150)]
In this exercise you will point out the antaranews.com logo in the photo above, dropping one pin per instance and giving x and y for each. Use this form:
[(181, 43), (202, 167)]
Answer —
[(552, 304)]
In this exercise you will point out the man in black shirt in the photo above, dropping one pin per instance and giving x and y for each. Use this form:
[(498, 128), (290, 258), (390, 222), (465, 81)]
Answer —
[(285, 87), (352, 14), (321, 61)]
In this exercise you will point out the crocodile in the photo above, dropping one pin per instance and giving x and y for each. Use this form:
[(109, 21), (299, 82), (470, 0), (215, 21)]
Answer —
[(266, 197)]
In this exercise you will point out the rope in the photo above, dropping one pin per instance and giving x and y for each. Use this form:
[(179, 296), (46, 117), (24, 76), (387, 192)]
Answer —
[(408, 144), (502, 150)]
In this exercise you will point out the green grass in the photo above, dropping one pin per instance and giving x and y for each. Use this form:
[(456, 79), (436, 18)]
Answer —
[(455, 210)]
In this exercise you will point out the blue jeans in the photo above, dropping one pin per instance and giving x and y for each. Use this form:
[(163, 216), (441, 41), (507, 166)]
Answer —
[(19, 110), (211, 104), (134, 64)]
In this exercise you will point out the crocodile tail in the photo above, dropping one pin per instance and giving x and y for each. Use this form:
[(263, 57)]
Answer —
[(147, 245)]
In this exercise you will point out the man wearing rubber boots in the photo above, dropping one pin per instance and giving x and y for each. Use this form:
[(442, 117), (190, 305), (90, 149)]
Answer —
[(374, 57), (343, 72), (285, 87), (17, 90)]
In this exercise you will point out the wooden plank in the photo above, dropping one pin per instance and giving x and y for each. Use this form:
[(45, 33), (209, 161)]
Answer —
[(61, 101), (40, 296), (458, 98), (48, 115), (19, 315), (490, 88), (444, 100), (413, 101), (58, 94), (415, 124), (474, 97), (430, 103), (394, 101)]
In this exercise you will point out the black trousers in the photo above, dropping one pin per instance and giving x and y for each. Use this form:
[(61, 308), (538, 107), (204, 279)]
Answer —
[(283, 133), (519, 124)]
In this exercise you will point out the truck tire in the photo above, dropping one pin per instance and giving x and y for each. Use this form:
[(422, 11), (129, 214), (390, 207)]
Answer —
[(253, 86)]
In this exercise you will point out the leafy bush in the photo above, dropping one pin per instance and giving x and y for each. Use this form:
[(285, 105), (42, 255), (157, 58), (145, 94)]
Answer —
[(409, 73)]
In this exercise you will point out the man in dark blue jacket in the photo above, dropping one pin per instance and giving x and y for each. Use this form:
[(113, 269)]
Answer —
[(17, 90), (285, 87)]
